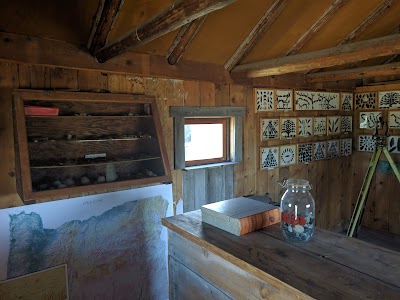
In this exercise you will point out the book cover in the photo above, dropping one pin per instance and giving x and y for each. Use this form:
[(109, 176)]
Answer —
[(240, 215)]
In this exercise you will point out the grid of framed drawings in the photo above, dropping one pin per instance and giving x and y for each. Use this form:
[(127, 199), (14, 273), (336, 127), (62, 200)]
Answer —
[(303, 153), (304, 127)]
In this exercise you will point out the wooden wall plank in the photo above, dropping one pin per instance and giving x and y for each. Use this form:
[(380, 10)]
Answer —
[(200, 188), (24, 76), (192, 93), (215, 184), (207, 93), (222, 97), (188, 193), (92, 81), (63, 79), (40, 77), (250, 147)]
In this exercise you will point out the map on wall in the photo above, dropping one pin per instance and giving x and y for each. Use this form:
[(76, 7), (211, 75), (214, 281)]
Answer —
[(110, 246)]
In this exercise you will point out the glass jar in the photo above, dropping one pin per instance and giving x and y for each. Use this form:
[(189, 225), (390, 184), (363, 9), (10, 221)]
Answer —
[(297, 210)]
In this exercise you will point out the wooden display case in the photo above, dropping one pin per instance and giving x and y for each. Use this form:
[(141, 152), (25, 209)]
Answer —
[(97, 143)]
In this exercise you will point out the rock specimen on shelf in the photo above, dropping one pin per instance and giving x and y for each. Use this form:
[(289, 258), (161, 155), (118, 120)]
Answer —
[(69, 182), (101, 179), (85, 180), (111, 173)]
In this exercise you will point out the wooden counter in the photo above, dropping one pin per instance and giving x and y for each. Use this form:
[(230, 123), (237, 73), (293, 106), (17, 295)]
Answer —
[(208, 263)]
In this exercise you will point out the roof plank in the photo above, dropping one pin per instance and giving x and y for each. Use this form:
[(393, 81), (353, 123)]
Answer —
[(357, 73), (173, 17), (183, 39), (106, 16), (340, 55), (258, 30), (315, 28)]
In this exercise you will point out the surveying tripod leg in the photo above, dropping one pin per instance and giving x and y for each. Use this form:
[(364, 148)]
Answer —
[(355, 218), (392, 164)]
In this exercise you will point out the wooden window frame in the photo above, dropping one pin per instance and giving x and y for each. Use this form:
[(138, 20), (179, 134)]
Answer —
[(225, 121), (234, 113)]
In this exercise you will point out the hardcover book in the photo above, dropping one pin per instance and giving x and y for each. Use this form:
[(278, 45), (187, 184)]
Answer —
[(240, 215)]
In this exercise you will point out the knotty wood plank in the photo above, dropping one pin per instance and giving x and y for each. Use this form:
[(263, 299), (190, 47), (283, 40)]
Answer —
[(207, 93), (383, 46), (269, 257), (382, 204), (92, 81), (192, 93), (52, 53), (222, 96), (183, 39), (255, 34), (250, 146), (63, 79), (173, 17), (315, 28), (103, 22), (40, 77), (24, 76), (357, 73)]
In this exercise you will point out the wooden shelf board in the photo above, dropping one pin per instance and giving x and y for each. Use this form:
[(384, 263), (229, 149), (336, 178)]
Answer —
[(97, 164)]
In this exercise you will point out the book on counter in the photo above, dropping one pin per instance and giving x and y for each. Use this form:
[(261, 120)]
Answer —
[(240, 215)]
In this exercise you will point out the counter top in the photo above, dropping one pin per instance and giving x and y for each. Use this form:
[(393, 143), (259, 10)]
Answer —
[(330, 265)]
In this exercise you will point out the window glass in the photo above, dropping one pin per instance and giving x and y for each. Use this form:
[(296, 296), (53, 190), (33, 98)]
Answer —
[(206, 140)]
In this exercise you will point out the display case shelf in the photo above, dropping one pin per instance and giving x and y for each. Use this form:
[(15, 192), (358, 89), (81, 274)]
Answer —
[(98, 142)]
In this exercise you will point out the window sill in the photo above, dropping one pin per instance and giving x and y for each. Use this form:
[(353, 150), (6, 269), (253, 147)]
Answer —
[(209, 166)]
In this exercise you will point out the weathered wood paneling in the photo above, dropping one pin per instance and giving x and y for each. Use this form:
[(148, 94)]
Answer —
[(336, 182)]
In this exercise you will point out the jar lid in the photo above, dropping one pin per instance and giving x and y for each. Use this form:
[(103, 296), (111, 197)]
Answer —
[(297, 183)]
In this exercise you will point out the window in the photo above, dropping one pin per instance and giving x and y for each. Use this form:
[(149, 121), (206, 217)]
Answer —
[(200, 129), (206, 140)]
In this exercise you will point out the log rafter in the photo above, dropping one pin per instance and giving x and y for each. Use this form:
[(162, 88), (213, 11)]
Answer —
[(357, 73), (173, 17), (106, 15), (340, 55), (316, 27), (258, 30), (183, 39)]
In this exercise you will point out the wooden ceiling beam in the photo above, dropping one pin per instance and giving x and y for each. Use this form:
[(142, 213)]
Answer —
[(315, 28), (335, 56), (258, 30), (173, 17), (376, 15), (104, 20), (183, 39), (358, 73)]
